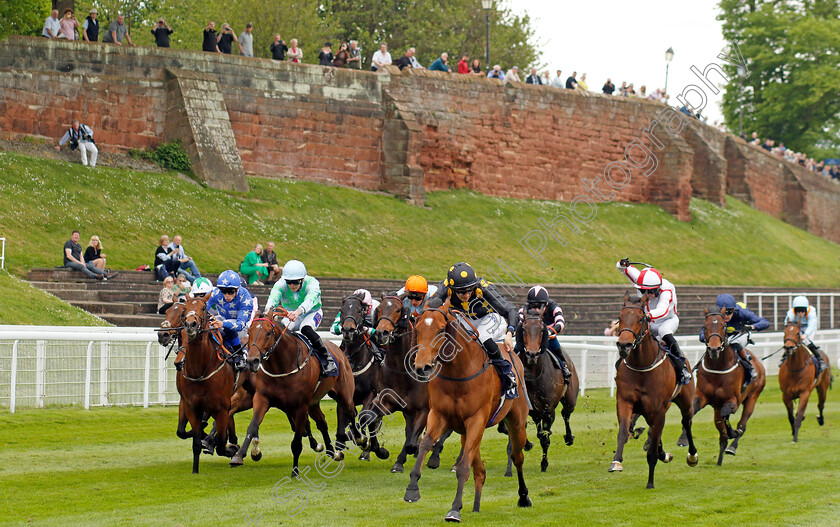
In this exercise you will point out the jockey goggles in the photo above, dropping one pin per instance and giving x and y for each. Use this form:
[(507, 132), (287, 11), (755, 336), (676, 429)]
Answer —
[(728, 312), (228, 290), (415, 296), (295, 282), (537, 305)]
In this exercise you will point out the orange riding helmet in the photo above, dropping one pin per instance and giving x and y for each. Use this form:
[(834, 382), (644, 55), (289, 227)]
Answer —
[(416, 284)]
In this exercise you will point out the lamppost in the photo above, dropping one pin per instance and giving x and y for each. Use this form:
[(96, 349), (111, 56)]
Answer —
[(669, 56), (487, 5), (741, 97)]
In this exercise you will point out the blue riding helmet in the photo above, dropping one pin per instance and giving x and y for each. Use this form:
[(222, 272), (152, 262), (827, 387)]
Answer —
[(229, 279), (726, 301)]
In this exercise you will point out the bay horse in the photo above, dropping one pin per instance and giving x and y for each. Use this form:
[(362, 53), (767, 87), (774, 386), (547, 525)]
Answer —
[(545, 383), (646, 388), (206, 380), (288, 378), (357, 346), (465, 395), (719, 380), (797, 377), (395, 332)]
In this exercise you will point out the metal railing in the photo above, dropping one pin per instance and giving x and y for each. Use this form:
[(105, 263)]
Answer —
[(2, 253), (778, 317)]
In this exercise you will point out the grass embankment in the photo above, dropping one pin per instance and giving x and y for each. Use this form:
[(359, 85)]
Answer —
[(24, 304), (124, 466), (342, 232)]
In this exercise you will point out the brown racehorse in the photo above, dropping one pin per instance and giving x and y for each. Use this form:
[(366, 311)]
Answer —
[(719, 380), (545, 383), (207, 378), (464, 395), (797, 377), (288, 378), (645, 385)]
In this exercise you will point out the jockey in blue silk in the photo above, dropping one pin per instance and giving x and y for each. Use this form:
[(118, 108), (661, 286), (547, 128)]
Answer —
[(553, 319), (809, 321), (300, 295), (233, 309), (740, 321)]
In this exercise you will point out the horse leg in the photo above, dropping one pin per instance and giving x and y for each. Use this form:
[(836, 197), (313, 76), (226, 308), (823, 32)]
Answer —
[(435, 427), (698, 403), (261, 406), (518, 438), (624, 411), (399, 464), (182, 422), (821, 393), (300, 417), (208, 440), (746, 412), (633, 430), (654, 453), (345, 416), (509, 469), (195, 423), (789, 406), (317, 415), (569, 438), (722, 439), (240, 402), (434, 459), (470, 443), (800, 413), (545, 438), (479, 475), (220, 421), (686, 401)]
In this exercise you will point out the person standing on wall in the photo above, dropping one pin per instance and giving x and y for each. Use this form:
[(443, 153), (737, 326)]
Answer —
[(246, 41), (161, 33), (90, 27)]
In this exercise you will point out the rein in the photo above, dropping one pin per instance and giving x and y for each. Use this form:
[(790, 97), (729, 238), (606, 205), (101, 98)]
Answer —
[(264, 355), (448, 320), (637, 340), (203, 329), (723, 346)]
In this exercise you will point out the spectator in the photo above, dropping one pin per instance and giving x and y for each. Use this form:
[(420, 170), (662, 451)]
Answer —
[(246, 41), (355, 60), (546, 80), (767, 145), (167, 295), (496, 73), (557, 82), (278, 48), (118, 31), (571, 82), (81, 137), (404, 61), (631, 92), (165, 264), (475, 68), (186, 265), (52, 26), (211, 39), (463, 64), (643, 92), (90, 28), (533, 78), (414, 64), (325, 57), (612, 329), (69, 25), (512, 75), (161, 33), (226, 39), (609, 87), (622, 91), (755, 140), (656, 95), (93, 253), (270, 257), (581, 84), (440, 63), (253, 268), (380, 58), (342, 56), (295, 53), (74, 260), (182, 288)]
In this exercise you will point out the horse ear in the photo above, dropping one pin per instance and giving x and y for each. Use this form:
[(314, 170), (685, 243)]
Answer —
[(706, 311), (382, 295), (626, 296), (723, 311)]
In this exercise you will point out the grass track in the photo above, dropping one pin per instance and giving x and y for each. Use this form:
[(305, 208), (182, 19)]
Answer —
[(124, 466)]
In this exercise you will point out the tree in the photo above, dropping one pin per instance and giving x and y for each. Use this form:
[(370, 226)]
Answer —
[(792, 94), (23, 17)]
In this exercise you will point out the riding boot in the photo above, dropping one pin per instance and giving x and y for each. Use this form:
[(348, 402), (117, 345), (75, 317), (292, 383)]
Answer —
[(816, 351), (503, 367), (378, 353), (237, 356), (558, 353), (676, 357), (320, 349), (745, 362)]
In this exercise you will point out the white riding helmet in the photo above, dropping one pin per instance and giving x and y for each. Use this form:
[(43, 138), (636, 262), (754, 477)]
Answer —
[(800, 301), (649, 279), (294, 270), (366, 298), (201, 287)]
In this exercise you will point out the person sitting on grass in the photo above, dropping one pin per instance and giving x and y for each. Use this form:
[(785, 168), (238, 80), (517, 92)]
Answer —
[(253, 268)]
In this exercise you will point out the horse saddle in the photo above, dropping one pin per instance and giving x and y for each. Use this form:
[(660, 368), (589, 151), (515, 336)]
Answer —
[(321, 360)]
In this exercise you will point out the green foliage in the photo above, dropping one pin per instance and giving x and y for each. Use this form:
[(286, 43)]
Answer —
[(793, 52), (170, 156), (26, 305), (23, 17)]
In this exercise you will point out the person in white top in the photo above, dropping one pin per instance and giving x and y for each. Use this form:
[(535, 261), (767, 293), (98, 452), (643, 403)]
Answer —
[(380, 58), (804, 313), (661, 309), (52, 26)]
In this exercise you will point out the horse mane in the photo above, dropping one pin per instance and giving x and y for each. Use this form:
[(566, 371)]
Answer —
[(632, 300), (357, 296), (532, 311)]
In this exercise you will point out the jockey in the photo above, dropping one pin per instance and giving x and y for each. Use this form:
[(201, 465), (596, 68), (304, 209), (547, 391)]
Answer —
[(415, 293), (201, 287), (810, 319), (367, 322), (552, 317), (482, 303), (234, 311), (742, 321), (661, 309), (300, 295)]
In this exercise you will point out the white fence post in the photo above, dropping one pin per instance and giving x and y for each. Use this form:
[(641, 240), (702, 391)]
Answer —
[(13, 390), (582, 377), (3, 253), (147, 373), (105, 355), (161, 374), (610, 375), (40, 373)]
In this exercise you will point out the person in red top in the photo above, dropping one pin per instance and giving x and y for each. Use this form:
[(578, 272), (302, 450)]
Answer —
[(464, 65)]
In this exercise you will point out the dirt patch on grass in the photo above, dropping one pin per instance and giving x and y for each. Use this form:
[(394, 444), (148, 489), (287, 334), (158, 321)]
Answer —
[(42, 148)]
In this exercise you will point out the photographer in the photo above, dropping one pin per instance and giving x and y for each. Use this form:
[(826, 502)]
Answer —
[(80, 136), (278, 48), (226, 39), (161, 33), (211, 39)]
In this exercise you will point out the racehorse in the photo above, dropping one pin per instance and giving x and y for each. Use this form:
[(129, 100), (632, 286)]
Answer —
[(719, 380), (465, 395), (287, 378), (207, 378), (797, 377), (644, 387), (357, 346), (395, 332), (545, 383)]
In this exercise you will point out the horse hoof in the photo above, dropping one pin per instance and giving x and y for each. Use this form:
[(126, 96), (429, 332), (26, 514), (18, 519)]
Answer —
[(647, 444), (412, 496), (236, 461), (637, 432), (319, 447), (508, 474), (615, 466), (524, 501), (231, 450), (649, 486), (528, 446), (453, 516), (339, 456), (543, 465), (434, 462), (364, 456), (570, 439), (668, 457), (257, 456), (364, 444), (454, 468), (383, 453), (397, 468), (207, 448), (692, 460), (730, 450), (820, 420), (682, 442)]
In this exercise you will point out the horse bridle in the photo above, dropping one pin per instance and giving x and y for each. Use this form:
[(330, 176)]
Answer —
[(637, 337), (403, 321), (545, 332), (718, 335), (798, 334), (201, 327), (265, 354)]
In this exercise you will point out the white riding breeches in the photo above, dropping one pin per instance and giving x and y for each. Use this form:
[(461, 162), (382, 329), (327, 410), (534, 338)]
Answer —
[(667, 326)]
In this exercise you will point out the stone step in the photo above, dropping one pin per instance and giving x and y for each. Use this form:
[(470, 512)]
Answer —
[(118, 308), (146, 321)]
